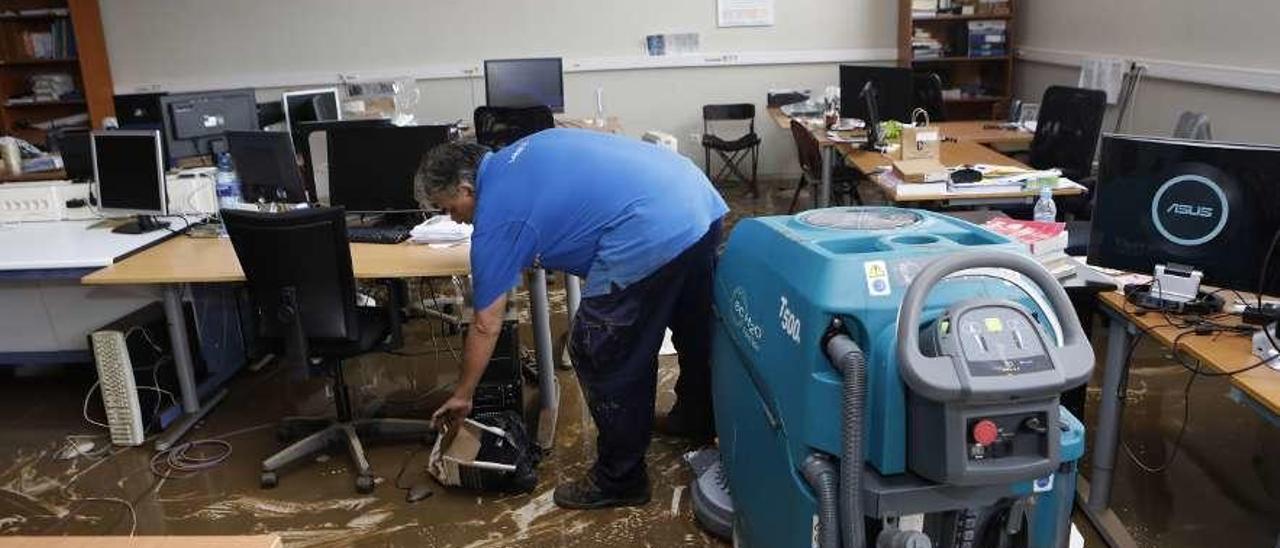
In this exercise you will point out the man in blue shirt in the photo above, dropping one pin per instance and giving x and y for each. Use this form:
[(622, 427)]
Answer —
[(641, 224)]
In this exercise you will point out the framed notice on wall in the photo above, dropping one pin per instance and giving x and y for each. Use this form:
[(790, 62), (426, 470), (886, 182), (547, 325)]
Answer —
[(744, 13)]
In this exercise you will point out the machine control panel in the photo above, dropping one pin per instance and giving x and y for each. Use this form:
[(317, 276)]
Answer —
[(996, 341)]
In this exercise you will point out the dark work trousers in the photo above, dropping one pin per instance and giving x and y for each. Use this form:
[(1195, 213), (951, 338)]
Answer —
[(614, 347)]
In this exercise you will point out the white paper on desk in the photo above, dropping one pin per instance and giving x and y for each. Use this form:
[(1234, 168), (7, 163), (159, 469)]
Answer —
[(744, 13), (440, 230)]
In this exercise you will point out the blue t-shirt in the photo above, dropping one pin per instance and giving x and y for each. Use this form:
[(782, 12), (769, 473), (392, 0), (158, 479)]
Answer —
[(608, 208)]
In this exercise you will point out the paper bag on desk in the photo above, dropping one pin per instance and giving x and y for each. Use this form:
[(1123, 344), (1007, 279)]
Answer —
[(926, 170), (921, 141)]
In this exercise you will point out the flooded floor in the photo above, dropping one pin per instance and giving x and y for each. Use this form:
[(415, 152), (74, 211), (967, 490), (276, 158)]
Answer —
[(1222, 490)]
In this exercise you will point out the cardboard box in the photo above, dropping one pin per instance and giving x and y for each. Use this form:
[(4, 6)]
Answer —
[(927, 170)]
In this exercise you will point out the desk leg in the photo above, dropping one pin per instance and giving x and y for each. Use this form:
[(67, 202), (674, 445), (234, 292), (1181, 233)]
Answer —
[(548, 393), (828, 158), (1110, 413), (193, 412)]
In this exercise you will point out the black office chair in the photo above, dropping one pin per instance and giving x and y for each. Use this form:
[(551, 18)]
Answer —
[(497, 127), (298, 270), (1067, 131), (927, 88), (844, 181), (732, 152)]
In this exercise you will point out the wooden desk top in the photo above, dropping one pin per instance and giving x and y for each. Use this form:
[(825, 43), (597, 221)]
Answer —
[(1219, 353), (196, 260), (964, 130)]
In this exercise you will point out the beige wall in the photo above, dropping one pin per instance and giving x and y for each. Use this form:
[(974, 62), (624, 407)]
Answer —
[(168, 42), (1236, 33)]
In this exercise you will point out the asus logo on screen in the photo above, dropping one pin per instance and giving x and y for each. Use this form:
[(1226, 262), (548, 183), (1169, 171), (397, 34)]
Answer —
[(1190, 211)]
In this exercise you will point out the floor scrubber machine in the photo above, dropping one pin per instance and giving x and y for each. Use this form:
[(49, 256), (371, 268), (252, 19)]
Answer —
[(888, 377)]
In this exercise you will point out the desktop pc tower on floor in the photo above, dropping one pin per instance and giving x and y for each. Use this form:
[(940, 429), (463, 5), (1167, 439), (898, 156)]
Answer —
[(502, 386)]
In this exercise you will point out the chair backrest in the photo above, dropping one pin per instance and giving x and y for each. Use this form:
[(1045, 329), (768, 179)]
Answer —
[(729, 113), (928, 95), (497, 127), (1193, 125), (1067, 130), (300, 256), (806, 149)]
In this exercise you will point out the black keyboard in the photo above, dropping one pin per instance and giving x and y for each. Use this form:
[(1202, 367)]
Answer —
[(377, 234)]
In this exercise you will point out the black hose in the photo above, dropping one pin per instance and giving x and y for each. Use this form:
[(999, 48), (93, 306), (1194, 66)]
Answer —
[(822, 478), (847, 358)]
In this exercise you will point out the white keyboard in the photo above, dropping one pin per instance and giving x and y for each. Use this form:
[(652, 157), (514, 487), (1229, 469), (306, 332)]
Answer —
[(119, 390)]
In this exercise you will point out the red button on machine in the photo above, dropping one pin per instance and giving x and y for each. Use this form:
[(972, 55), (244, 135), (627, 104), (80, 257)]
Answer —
[(985, 432)]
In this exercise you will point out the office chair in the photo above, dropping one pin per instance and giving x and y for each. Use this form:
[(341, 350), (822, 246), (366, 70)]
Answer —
[(497, 127), (732, 152), (1193, 125), (298, 270), (1067, 132), (927, 88), (844, 181)]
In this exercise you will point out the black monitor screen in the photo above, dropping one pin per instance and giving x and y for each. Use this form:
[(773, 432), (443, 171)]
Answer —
[(266, 166), (1211, 206), (77, 159), (372, 169), (319, 105), (127, 166), (194, 123), (893, 84), (524, 83)]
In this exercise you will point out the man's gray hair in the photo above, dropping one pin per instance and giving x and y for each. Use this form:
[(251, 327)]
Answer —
[(445, 167)]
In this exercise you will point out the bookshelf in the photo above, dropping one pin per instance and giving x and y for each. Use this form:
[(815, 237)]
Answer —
[(53, 65), (977, 71)]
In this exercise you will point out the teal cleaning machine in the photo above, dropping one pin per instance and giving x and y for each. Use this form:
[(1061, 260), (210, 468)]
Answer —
[(889, 377)]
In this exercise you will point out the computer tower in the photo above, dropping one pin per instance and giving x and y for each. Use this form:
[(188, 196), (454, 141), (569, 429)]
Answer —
[(502, 386)]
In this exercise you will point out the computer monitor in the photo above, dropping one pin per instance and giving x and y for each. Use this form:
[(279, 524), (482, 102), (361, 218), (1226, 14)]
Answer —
[(893, 89), (372, 169), (129, 169), (195, 123), (266, 166), (1207, 205), (77, 158), (311, 105), (524, 83), (309, 140)]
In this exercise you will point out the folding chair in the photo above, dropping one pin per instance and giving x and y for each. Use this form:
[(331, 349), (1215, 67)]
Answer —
[(732, 152)]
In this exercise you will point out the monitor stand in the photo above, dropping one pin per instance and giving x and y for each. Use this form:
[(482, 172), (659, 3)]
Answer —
[(142, 224)]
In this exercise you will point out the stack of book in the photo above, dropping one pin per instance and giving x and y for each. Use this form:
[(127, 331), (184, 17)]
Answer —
[(924, 8), (58, 43), (987, 39), (1045, 242), (925, 46)]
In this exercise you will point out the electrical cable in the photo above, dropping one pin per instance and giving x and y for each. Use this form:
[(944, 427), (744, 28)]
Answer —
[(1182, 430), (189, 459)]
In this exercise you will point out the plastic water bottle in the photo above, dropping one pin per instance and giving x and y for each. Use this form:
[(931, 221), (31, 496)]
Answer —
[(227, 183), (1045, 211)]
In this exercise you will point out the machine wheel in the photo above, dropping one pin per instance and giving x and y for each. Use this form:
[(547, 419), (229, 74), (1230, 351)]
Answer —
[(365, 484), (268, 480)]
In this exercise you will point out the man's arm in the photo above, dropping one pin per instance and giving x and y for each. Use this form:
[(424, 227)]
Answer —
[(482, 337)]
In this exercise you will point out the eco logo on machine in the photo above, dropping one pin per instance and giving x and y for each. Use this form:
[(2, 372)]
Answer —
[(790, 322), (741, 314), (1190, 209)]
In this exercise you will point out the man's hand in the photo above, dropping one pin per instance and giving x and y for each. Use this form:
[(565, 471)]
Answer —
[(456, 408)]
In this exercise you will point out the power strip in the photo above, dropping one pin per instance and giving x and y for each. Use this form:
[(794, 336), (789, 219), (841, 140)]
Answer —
[(26, 202)]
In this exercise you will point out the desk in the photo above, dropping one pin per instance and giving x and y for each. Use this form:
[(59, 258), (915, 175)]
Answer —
[(869, 164), (1258, 389), (47, 313), (181, 261), (971, 144)]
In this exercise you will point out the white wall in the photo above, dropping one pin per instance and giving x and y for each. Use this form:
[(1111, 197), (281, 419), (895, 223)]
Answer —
[(1232, 44), (197, 44)]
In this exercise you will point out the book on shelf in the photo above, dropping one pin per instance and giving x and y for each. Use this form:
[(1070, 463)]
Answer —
[(58, 43)]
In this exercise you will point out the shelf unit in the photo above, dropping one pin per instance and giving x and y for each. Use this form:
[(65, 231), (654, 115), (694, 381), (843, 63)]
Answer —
[(89, 68), (993, 74)]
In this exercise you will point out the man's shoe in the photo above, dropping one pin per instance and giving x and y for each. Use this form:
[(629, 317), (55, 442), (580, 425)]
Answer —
[(676, 425), (583, 494)]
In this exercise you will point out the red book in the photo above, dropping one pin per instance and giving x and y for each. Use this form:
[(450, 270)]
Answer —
[(1040, 238)]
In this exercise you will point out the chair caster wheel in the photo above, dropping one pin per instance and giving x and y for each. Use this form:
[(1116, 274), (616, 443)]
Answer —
[(268, 480), (365, 484)]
